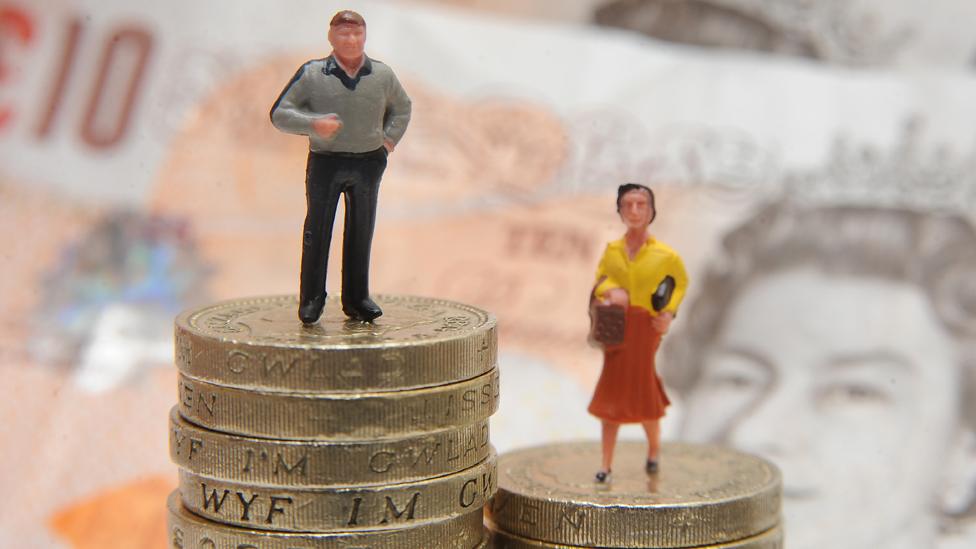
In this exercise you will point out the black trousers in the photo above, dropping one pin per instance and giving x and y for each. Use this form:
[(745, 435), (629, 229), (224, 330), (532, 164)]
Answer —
[(357, 176)]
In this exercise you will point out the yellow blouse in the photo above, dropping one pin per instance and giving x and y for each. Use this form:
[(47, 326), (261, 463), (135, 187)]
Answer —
[(642, 275)]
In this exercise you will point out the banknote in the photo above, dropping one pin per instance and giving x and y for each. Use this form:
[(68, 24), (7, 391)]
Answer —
[(140, 176)]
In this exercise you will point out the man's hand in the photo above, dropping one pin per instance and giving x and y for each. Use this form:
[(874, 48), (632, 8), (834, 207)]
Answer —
[(388, 145), (327, 126), (662, 322)]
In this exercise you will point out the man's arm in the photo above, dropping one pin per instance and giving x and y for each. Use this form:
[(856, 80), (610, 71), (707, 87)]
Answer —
[(397, 113), (290, 112)]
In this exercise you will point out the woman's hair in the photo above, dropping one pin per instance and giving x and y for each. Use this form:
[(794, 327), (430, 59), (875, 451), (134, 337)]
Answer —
[(627, 187)]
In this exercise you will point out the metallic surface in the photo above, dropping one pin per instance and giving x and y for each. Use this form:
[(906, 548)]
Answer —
[(346, 416), (260, 343), (770, 539), (339, 509), (308, 463), (702, 495), (188, 531)]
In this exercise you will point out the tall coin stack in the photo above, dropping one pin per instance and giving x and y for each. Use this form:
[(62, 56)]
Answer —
[(702, 497), (341, 434)]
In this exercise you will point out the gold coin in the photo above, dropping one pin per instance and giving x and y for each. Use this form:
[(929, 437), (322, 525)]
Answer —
[(770, 539), (334, 417), (260, 343), (308, 463), (292, 509), (702, 495), (188, 531)]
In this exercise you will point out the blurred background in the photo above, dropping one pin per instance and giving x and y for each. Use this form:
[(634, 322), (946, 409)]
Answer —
[(814, 164)]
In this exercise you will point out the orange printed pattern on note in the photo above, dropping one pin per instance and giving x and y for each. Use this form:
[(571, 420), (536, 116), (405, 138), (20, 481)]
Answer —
[(130, 517)]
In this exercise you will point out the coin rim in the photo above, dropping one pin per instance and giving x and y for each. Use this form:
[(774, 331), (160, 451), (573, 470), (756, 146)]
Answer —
[(371, 424), (328, 497), (397, 538), (208, 465), (763, 501), (214, 348), (769, 539)]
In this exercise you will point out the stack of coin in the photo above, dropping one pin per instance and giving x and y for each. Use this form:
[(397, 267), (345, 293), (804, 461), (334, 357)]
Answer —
[(340, 434), (702, 497)]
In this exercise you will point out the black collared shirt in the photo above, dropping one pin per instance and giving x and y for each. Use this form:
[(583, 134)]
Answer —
[(333, 68)]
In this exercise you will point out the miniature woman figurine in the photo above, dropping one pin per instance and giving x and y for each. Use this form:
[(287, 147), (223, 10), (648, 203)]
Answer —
[(647, 279)]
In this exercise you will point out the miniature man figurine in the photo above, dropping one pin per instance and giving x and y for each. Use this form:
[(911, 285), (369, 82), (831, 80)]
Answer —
[(647, 279), (354, 112)]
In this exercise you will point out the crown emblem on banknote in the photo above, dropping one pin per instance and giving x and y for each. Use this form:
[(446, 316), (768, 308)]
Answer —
[(909, 174), (833, 30)]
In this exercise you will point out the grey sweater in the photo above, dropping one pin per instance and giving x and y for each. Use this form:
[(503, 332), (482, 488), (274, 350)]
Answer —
[(372, 106)]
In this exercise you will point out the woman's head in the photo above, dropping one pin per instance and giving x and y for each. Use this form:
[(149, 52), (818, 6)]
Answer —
[(635, 204)]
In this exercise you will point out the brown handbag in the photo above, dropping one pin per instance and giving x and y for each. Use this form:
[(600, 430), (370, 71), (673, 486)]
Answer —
[(606, 321)]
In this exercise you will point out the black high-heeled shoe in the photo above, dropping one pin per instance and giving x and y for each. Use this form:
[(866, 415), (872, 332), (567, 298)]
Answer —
[(603, 476), (651, 466)]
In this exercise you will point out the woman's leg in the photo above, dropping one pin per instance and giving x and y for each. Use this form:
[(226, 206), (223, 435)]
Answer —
[(652, 428), (609, 438)]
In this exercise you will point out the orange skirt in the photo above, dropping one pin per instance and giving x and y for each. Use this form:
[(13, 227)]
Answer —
[(629, 390)]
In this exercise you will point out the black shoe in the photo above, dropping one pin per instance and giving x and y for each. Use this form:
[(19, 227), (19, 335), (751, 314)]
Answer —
[(603, 476), (310, 311), (365, 310), (651, 466)]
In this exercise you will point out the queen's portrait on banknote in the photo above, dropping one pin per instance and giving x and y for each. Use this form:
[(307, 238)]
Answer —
[(354, 112), (840, 343), (646, 280)]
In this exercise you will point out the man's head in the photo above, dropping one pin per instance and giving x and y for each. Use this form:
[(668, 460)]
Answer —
[(635, 204), (841, 344), (347, 34)]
